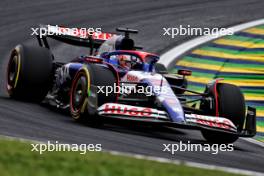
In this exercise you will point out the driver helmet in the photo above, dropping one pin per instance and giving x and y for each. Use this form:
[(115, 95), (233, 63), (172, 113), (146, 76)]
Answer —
[(124, 61)]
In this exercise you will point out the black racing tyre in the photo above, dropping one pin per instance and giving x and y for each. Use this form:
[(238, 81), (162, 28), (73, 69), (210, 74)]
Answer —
[(29, 73), (231, 105), (96, 75)]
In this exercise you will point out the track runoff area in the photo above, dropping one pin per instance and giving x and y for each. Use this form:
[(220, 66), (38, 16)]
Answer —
[(239, 59)]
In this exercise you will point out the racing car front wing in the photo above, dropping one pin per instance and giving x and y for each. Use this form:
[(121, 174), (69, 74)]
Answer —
[(192, 121)]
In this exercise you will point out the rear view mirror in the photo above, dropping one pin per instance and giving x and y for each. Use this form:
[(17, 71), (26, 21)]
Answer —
[(160, 68), (185, 72)]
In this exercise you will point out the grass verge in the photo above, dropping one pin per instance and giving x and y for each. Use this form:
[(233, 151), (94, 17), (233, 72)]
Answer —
[(16, 159)]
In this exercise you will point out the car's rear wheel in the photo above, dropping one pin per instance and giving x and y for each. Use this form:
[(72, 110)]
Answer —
[(231, 105), (95, 75), (29, 73)]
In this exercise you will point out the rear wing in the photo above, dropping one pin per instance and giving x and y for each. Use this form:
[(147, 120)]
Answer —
[(73, 36)]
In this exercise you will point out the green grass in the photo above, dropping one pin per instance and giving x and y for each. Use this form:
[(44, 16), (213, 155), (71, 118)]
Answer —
[(16, 159)]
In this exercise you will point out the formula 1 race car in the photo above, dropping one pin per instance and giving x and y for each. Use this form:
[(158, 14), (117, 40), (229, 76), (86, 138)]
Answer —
[(118, 81)]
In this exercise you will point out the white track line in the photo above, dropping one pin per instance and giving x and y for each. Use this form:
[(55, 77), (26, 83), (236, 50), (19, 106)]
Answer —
[(161, 160), (261, 144), (187, 163), (169, 58)]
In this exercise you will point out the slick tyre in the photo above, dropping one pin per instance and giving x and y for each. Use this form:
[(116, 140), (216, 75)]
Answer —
[(231, 105), (96, 75), (29, 73)]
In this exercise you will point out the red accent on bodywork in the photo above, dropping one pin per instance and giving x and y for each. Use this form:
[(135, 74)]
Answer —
[(216, 97), (140, 54), (102, 36), (216, 100)]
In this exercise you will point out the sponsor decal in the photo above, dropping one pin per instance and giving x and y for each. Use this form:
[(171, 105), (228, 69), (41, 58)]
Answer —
[(132, 78), (127, 110), (212, 121), (102, 35)]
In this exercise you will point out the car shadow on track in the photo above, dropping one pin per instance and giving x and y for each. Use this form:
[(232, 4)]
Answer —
[(121, 126)]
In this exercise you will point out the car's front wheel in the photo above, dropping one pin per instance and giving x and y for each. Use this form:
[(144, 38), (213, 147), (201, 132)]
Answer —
[(91, 75), (231, 105)]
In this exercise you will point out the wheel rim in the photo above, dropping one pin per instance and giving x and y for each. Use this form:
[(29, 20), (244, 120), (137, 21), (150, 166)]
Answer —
[(13, 71), (79, 93)]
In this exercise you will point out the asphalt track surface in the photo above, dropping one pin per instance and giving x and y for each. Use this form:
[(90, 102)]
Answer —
[(38, 122)]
